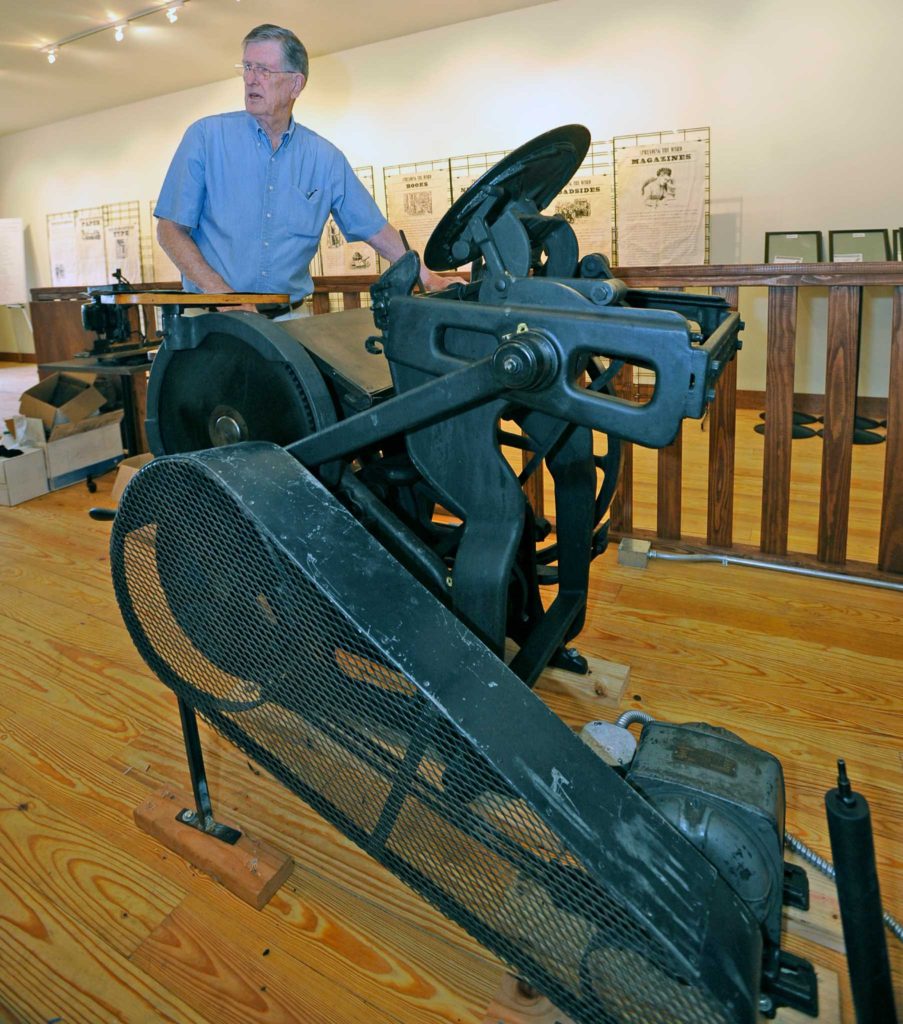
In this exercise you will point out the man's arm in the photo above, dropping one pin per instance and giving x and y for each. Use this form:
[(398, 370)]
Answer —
[(387, 242), (176, 241)]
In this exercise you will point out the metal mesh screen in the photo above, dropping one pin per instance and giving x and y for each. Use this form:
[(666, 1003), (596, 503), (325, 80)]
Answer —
[(248, 636)]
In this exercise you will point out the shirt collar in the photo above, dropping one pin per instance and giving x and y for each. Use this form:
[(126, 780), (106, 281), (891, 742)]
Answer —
[(261, 133)]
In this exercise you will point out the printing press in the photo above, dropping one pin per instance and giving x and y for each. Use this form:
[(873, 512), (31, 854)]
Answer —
[(331, 560)]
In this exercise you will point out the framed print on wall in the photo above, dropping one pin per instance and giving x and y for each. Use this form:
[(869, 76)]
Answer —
[(866, 246), (898, 243), (793, 247)]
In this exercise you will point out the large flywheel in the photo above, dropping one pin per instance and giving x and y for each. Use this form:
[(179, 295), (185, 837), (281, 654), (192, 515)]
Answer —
[(234, 377)]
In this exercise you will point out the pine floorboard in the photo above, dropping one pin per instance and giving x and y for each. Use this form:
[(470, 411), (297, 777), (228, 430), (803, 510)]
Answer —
[(98, 923)]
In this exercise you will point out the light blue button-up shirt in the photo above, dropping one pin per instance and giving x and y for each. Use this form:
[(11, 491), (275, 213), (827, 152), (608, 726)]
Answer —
[(255, 213)]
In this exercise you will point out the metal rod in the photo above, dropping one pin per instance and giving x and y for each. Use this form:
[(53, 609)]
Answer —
[(195, 763), (202, 817), (796, 570), (850, 829)]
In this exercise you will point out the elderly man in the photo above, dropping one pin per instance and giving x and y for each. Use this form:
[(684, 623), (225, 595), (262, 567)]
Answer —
[(247, 193)]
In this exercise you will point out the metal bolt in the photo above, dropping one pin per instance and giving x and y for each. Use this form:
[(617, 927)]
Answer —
[(511, 365)]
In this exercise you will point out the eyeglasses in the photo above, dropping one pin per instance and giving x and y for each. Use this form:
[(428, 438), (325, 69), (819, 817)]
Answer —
[(260, 71)]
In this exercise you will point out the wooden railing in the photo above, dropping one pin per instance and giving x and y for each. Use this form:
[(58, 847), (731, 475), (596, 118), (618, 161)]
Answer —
[(844, 283)]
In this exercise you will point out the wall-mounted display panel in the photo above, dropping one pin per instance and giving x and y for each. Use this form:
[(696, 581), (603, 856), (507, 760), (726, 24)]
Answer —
[(337, 257), (793, 247), (867, 246), (417, 195), (662, 188)]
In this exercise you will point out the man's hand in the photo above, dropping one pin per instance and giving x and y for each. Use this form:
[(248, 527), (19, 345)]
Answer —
[(436, 282), (387, 242)]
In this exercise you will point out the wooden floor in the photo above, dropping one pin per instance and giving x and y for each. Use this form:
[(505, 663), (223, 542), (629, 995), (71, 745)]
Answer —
[(14, 379), (98, 923)]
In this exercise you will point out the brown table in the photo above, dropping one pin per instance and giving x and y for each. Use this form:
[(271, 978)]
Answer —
[(134, 386)]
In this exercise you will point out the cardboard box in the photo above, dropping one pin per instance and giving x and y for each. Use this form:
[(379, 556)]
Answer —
[(25, 432), (90, 447), (22, 477), (127, 469), (61, 398)]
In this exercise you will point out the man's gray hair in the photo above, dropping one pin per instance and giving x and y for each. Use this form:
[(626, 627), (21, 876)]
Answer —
[(293, 52)]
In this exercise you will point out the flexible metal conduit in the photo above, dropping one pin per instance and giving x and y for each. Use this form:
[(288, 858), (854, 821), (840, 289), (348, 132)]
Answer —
[(827, 868), (796, 570), (634, 715)]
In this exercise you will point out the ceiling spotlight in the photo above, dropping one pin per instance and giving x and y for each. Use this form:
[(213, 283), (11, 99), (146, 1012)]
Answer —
[(119, 35), (51, 55), (172, 14)]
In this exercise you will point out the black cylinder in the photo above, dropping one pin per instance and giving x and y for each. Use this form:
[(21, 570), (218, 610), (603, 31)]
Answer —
[(853, 851)]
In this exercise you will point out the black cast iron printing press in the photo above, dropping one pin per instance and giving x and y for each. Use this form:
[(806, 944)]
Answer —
[(281, 567)]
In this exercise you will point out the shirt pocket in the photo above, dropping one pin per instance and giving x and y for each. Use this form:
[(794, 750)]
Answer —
[(307, 213)]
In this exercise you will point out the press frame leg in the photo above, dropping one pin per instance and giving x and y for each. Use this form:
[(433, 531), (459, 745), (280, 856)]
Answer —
[(201, 817)]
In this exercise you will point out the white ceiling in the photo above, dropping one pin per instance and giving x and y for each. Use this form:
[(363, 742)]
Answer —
[(156, 57)]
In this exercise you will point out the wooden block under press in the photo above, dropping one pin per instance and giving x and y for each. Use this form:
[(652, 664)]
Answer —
[(821, 922), (250, 869), (604, 683)]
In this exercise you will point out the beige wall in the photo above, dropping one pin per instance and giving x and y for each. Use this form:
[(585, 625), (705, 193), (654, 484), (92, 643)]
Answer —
[(801, 99)]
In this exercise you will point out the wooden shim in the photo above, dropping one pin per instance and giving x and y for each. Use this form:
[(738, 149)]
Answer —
[(514, 1005), (250, 869), (821, 922), (604, 683)]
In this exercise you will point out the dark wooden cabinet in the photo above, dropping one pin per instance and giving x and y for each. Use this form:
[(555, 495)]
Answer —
[(56, 323)]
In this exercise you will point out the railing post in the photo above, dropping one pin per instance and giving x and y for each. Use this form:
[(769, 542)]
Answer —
[(890, 547), (670, 478), (621, 516), (780, 362), (722, 445), (844, 309)]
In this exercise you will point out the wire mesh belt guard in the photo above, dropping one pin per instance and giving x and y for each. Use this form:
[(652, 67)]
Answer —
[(256, 597)]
